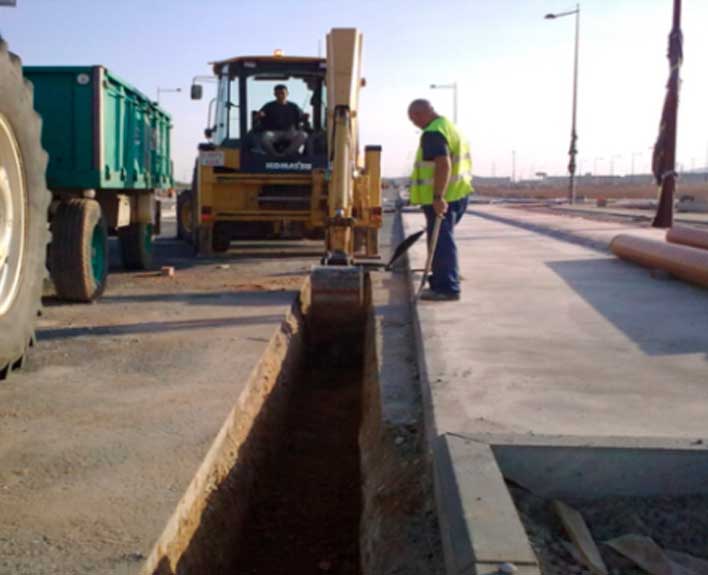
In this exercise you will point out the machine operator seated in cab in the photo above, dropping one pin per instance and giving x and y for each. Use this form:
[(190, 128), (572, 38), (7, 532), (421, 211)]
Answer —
[(281, 124)]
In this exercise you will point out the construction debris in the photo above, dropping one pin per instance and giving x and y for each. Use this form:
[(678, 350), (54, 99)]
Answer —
[(648, 555), (580, 534)]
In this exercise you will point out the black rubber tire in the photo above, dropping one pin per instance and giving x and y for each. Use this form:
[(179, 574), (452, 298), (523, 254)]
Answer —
[(135, 254), (17, 323), (184, 199), (71, 266), (221, 238)]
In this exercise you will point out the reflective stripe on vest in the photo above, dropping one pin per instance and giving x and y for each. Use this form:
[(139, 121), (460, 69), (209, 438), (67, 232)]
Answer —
[(422, 179)]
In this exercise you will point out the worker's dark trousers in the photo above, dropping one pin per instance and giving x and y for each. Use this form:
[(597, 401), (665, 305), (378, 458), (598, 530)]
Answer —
[(445, 277)]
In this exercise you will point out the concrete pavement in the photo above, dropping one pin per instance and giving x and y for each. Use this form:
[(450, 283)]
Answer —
[(552, 337)]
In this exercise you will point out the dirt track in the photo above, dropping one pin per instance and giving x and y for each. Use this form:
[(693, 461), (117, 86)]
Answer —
[(102, 432)]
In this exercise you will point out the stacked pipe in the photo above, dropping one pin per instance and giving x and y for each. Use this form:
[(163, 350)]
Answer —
[(684, 254)]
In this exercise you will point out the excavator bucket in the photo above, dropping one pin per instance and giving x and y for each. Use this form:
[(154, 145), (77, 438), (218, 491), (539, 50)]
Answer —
[(336, 301)]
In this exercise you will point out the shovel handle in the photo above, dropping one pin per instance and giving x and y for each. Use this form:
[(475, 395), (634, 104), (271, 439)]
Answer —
[(431, 253)]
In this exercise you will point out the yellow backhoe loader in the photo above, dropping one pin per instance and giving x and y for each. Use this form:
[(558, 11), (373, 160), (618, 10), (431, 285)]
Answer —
[(243, 190)]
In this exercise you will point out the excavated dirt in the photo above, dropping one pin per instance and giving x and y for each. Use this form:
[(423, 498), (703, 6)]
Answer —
[(674, 523)]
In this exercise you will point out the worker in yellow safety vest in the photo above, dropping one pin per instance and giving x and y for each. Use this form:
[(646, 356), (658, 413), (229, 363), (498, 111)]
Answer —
[(441, 183)]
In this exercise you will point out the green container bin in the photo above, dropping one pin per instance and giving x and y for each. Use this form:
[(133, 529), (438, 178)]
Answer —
[(99, 131)]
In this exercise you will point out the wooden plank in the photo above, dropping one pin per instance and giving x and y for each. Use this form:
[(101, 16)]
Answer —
[(580, 535), (648, 555)]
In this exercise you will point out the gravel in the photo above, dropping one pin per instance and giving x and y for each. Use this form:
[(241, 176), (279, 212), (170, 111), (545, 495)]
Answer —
[(675, 523)]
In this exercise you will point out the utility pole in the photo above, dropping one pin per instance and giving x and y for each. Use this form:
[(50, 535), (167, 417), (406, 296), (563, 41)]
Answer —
[(612, 163), (664, 164), (573, 150)]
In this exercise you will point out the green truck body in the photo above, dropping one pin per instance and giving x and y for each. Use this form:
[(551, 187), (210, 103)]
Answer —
[(99, 131)]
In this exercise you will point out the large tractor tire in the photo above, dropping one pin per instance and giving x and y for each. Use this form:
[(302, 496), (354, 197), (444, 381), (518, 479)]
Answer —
[(24, 201), (136, 246), (79, 250), (184, 216)]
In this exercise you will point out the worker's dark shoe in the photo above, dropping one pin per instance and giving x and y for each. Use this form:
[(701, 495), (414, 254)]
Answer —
[(430, 295)]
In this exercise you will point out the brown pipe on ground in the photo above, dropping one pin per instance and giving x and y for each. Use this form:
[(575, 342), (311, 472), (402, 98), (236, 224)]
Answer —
[(688, 236), (687, 263)]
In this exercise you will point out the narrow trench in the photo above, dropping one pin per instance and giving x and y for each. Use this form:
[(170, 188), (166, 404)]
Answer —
[(304, 475), (305, 506)]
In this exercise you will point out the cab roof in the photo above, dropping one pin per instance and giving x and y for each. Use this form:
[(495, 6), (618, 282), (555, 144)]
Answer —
[(272, 59)]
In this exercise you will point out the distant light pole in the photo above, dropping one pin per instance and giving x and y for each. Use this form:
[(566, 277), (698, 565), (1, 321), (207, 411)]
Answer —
[(635, 155), (452, 87), (513, 166), (612, 163), (164, 90), (572, 152), (594, 164)]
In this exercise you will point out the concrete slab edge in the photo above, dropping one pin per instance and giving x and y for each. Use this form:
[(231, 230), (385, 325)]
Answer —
[(480, 526)]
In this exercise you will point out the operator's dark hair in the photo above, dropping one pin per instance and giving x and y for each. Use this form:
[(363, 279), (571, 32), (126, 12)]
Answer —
[(280, 87)]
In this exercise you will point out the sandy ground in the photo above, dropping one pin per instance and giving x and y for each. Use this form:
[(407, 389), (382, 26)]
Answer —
[(121, 399)]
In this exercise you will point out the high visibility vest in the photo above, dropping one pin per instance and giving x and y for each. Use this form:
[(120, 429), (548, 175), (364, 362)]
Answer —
[(421, 190)]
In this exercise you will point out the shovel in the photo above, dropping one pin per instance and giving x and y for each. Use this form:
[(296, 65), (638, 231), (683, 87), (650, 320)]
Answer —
[(431, 253), (403, 247)]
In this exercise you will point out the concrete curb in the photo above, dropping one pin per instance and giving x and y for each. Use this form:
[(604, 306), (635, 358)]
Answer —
[(479, 523)]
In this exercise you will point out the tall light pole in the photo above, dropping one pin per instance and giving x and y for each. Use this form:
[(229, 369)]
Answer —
[(164, 90), (634, 155), (614, 157), (573, 151), (452, 87)]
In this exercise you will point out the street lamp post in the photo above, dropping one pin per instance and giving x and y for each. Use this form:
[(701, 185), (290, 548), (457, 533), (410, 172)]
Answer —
[(452, 87), (614, 157), (635, 155), (164, 90), (594, 164), (573, 151)]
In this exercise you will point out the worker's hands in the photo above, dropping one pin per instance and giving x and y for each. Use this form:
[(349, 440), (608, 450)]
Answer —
[(440, 207)]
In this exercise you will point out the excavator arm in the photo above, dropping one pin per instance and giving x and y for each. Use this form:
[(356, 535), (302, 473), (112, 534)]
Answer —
[(354, 191)]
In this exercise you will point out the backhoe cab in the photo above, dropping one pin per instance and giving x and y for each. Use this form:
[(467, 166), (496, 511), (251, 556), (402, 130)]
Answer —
[(252, 183)]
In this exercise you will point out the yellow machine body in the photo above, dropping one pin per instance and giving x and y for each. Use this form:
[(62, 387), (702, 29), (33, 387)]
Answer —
[(335, 196)]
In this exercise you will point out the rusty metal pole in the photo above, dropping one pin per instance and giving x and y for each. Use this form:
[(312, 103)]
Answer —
[(664, 162), (573, 151)]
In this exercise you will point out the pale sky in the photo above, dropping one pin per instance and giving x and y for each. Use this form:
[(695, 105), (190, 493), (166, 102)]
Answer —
[(513, 68)]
